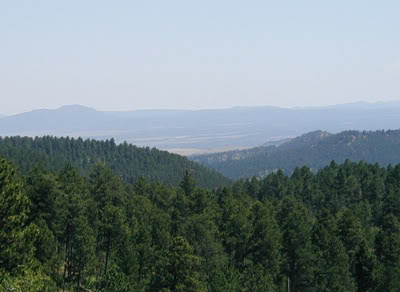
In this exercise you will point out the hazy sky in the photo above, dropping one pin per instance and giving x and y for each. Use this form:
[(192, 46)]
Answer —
[(119, 55)]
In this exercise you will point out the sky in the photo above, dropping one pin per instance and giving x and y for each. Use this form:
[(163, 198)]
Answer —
[(127, 55)]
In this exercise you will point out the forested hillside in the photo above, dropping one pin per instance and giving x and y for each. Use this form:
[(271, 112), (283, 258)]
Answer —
[(336, 230), (315, 150), (129, 161)]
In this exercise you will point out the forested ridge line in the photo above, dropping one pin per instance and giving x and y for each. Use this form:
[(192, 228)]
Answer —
[(127, 160), (314, 150), (335, 230)]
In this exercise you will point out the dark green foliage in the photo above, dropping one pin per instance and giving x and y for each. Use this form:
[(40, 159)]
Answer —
[(388, 250), (16, 234), (19, 269), (177, 269), (126, 160), (332, 271), (297, 223), (335, 230)]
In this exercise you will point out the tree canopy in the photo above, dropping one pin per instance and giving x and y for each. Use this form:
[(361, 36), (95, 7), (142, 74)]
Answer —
[(126, 160), (334, 230)]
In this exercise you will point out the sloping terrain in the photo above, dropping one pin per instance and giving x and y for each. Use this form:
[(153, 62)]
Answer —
[(315, 150), (129, 161)]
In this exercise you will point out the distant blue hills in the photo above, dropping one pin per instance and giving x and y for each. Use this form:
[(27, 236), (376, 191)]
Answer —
[(202, 129)]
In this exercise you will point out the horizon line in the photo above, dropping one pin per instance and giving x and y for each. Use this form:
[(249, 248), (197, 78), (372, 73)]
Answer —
[(205, 109)]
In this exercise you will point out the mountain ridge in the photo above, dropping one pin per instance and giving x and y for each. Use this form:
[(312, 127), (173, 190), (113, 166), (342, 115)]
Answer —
[(366, 104), (314, 150), (129, 161), (207, 129)]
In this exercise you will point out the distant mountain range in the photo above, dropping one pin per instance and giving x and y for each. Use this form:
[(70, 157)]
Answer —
[(315, 150), (189, 130)]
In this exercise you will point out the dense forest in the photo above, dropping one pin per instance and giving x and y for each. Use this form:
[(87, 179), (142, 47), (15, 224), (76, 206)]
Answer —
[(334, 230), (314, 150), (128, 161)]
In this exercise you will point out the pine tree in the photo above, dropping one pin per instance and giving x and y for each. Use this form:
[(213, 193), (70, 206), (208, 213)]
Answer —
[(333, 269), (178, 269), (297, 222), (18, 268)]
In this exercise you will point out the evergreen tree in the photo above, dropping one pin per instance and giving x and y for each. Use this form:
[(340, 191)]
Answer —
[(333, 269), (178, 269), (388, 250), (297, 223), (19, 270)]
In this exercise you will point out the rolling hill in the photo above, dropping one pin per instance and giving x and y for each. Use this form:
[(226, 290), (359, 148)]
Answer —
[(315, 150), (129, 161)]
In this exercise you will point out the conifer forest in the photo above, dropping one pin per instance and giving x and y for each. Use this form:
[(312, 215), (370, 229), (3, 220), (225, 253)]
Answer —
[(64, 229)]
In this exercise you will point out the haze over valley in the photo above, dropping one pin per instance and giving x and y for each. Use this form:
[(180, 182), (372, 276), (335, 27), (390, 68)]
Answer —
[(196, 131)]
